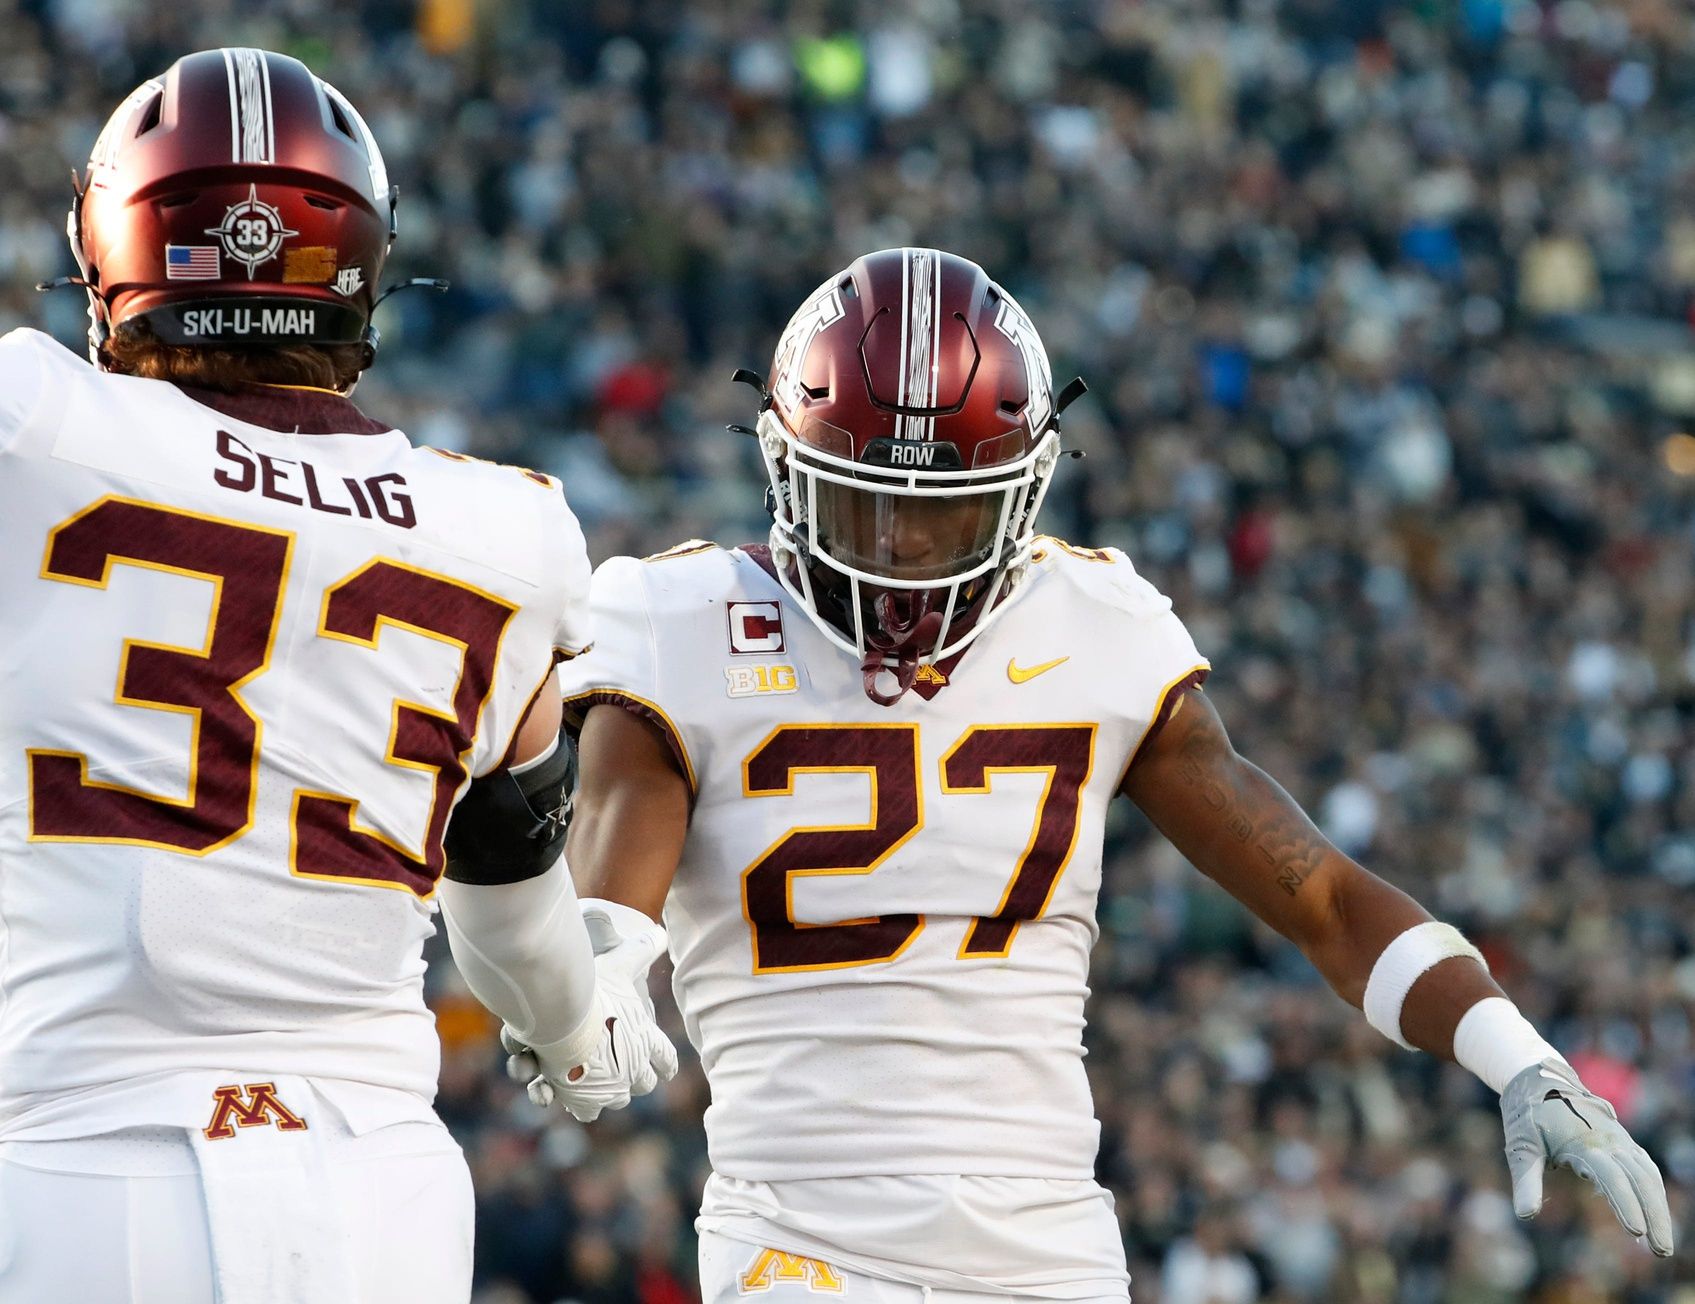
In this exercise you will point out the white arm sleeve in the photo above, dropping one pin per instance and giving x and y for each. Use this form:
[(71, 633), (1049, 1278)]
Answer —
[(524, 951)]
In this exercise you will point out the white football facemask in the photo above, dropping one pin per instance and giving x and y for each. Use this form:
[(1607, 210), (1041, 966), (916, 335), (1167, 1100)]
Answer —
[(886, 529)]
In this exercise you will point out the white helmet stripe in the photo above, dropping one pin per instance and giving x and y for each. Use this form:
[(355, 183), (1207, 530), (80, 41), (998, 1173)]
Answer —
[(270, 112), (920, 340), (235, 107), (905, 323), (253, 132), (935, 336)]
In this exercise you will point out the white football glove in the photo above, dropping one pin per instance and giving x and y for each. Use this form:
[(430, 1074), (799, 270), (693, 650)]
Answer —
[(632, 1056), (1551, 1117)]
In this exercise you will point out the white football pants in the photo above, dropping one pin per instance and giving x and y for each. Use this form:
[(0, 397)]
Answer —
[(149, 1216), (972, 1239), (734, 1272)]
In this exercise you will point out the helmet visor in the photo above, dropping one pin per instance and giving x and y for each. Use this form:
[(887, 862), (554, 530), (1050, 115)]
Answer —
[(908, 537)]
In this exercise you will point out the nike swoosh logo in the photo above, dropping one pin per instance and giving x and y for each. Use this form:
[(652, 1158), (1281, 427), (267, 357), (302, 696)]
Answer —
[(1021, 676)]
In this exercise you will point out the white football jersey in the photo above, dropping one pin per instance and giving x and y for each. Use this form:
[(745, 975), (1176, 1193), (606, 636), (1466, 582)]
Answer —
[(244, 676), (882, 920)]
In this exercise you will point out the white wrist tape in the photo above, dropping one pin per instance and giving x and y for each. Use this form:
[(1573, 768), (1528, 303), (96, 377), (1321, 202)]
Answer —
[(1403, 962), (1498, 1043)]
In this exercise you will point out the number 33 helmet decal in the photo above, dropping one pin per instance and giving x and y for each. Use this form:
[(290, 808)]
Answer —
[(235, 199)]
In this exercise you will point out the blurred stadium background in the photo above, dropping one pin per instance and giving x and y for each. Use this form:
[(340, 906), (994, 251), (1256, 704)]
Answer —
[(1387, 313)]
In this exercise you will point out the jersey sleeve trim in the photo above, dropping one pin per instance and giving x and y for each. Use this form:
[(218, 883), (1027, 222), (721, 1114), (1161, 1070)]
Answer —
[(1169, 696), (578, 705)]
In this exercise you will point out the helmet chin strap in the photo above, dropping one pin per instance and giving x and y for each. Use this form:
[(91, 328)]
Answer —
[(907, 629)]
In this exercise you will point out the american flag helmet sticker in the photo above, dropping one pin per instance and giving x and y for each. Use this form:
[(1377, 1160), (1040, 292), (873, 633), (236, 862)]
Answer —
[(191, 262)]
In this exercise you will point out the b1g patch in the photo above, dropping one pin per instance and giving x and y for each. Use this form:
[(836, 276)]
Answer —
[(252, 231), (772, 1266), (756, 628), (752, 681)]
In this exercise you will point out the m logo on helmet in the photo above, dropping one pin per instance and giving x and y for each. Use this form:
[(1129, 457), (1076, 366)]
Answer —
[(823, 309), (252, 231), (1012, 322)]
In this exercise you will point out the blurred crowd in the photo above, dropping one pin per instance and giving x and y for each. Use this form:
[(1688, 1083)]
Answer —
[(1386, 312)]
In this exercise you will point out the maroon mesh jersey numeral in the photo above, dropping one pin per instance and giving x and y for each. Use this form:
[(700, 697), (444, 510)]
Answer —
[(1063, 752), (326, 842), (889, 755), (246, 564)]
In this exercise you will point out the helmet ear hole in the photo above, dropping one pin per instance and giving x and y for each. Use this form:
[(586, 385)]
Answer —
[(338, 117), (150, 116)]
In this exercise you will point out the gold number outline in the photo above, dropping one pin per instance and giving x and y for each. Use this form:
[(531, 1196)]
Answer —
[(191, 798), (1051, 771), (787, 790), (380, 622)]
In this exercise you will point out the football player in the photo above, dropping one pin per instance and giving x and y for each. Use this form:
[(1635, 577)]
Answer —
[(863, 770), (256, 647)]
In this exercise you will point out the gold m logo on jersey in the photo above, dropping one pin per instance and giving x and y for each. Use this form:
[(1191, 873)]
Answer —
[(772, 1266), (261, 1108)]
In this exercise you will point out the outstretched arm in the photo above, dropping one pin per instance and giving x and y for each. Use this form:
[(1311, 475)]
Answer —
[(1237, 826), (507, 900), (1419, 982), (629, 820), (567, 982)]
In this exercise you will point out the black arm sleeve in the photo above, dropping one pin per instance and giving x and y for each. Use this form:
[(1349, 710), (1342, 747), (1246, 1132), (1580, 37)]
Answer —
[(510, 827)]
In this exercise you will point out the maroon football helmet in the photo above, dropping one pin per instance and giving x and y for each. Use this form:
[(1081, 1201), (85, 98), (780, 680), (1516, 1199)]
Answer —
[(236, 200), (909, 432)]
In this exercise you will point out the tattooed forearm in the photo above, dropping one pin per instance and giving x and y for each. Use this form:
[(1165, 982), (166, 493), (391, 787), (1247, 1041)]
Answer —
[(1289, 849), (1240, 829), (1282, 838)]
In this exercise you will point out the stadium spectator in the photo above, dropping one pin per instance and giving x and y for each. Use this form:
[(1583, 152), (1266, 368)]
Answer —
[(1386, 310)]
